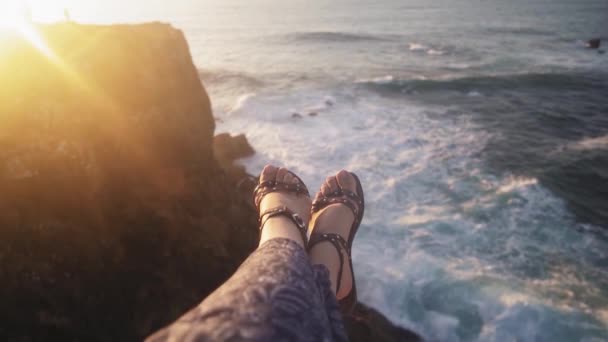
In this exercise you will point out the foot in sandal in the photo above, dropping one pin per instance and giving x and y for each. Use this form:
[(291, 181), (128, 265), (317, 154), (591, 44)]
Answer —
[(337, 211), (283, 203)]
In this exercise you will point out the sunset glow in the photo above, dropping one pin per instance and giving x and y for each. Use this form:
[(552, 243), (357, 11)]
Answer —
[(16, 19), (14, 11), (16, 16)]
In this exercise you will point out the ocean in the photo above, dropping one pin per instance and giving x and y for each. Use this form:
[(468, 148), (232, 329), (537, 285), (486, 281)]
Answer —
[(478, 127)]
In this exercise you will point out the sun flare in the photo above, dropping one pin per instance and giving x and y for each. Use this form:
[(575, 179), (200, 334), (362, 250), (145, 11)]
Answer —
[(15, 12), (12, 14), (15, 16)]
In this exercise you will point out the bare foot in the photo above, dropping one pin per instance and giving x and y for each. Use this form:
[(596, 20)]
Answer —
[(281, 226), (337, 219)]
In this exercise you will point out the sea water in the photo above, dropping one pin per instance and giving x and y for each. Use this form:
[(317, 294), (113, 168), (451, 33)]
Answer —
[(478, 127)]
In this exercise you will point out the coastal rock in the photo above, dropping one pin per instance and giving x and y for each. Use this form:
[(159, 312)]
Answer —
[(367, 324), (594, 43), (117, 213), (229, 148)]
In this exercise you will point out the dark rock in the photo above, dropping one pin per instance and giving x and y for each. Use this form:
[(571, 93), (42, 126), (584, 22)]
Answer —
[(313, 114), (116, 215), (296, 115), (366, 324), (594, 43), (227, 147)]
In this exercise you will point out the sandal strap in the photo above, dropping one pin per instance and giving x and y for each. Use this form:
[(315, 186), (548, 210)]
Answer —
[(339, 243), (284, 211), (266, 187), (340, 196)]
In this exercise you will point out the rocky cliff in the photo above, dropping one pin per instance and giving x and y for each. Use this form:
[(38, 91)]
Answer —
[(115, 216)]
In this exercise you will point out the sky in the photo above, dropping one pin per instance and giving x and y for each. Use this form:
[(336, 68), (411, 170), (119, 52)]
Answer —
[(97, 11)]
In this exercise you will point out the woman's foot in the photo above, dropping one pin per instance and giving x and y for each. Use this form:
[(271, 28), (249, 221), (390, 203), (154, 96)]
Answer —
[(337, 219), (297, 201)]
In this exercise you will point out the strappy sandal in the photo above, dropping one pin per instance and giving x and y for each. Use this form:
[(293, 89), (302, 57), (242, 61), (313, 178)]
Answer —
[(269, 186), (356, 203)]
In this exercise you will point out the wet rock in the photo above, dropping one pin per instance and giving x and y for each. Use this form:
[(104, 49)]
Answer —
[(296, 115), (367, 324), (227, 149), (230, 148), (594, 43), (313, 114)]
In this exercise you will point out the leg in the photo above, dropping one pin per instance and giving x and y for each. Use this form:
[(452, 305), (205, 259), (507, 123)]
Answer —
[(276, 294), (281, 226), (335, 219)]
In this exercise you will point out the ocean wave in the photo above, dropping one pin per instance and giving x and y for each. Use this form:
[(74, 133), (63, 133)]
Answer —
[(460, 243), (530, 31), (421, 48), (434, 52), (377, 80), (490, 83), (333, 37), (417, 47), (241, 102), (592, 143), (220, 77)]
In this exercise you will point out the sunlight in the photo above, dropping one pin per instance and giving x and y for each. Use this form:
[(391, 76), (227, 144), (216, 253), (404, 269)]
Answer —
[(16, 19), (14, 12), (15, 16)]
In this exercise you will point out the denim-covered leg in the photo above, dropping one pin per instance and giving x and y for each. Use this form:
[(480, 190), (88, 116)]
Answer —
[(276, 295)]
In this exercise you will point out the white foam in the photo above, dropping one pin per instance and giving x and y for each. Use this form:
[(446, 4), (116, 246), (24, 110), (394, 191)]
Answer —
[(241, 102), (416, 47), (434, 52), (516, 183), (459, 66), (378, 80), (592, 143), (443, 240)]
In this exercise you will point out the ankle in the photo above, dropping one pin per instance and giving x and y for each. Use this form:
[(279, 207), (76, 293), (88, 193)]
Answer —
[(280, 227)]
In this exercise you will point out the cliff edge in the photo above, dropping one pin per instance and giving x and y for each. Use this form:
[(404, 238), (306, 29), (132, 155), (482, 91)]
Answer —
[(115, 215)]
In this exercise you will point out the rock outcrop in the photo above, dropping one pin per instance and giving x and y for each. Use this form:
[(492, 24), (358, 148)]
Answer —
[(594, 43), (115, 216)]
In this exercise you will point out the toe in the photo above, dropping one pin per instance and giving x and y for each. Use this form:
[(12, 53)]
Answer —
[(281, 174), (269, 173), (318, 196), (325, 189), (333, 184), (288, 179), (346, 181)]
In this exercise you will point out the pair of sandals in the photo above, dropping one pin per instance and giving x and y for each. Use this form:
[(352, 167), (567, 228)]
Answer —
[(352, 200)]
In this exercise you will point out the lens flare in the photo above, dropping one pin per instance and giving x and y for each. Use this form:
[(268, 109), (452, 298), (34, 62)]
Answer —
[(16, 16)]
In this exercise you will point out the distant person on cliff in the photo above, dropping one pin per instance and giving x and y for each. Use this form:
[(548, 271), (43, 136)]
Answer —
[(299, 281), (66, 15)]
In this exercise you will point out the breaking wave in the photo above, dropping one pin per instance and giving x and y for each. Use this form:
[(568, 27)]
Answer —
[(229, 77), (335, 37), (546, 81)]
